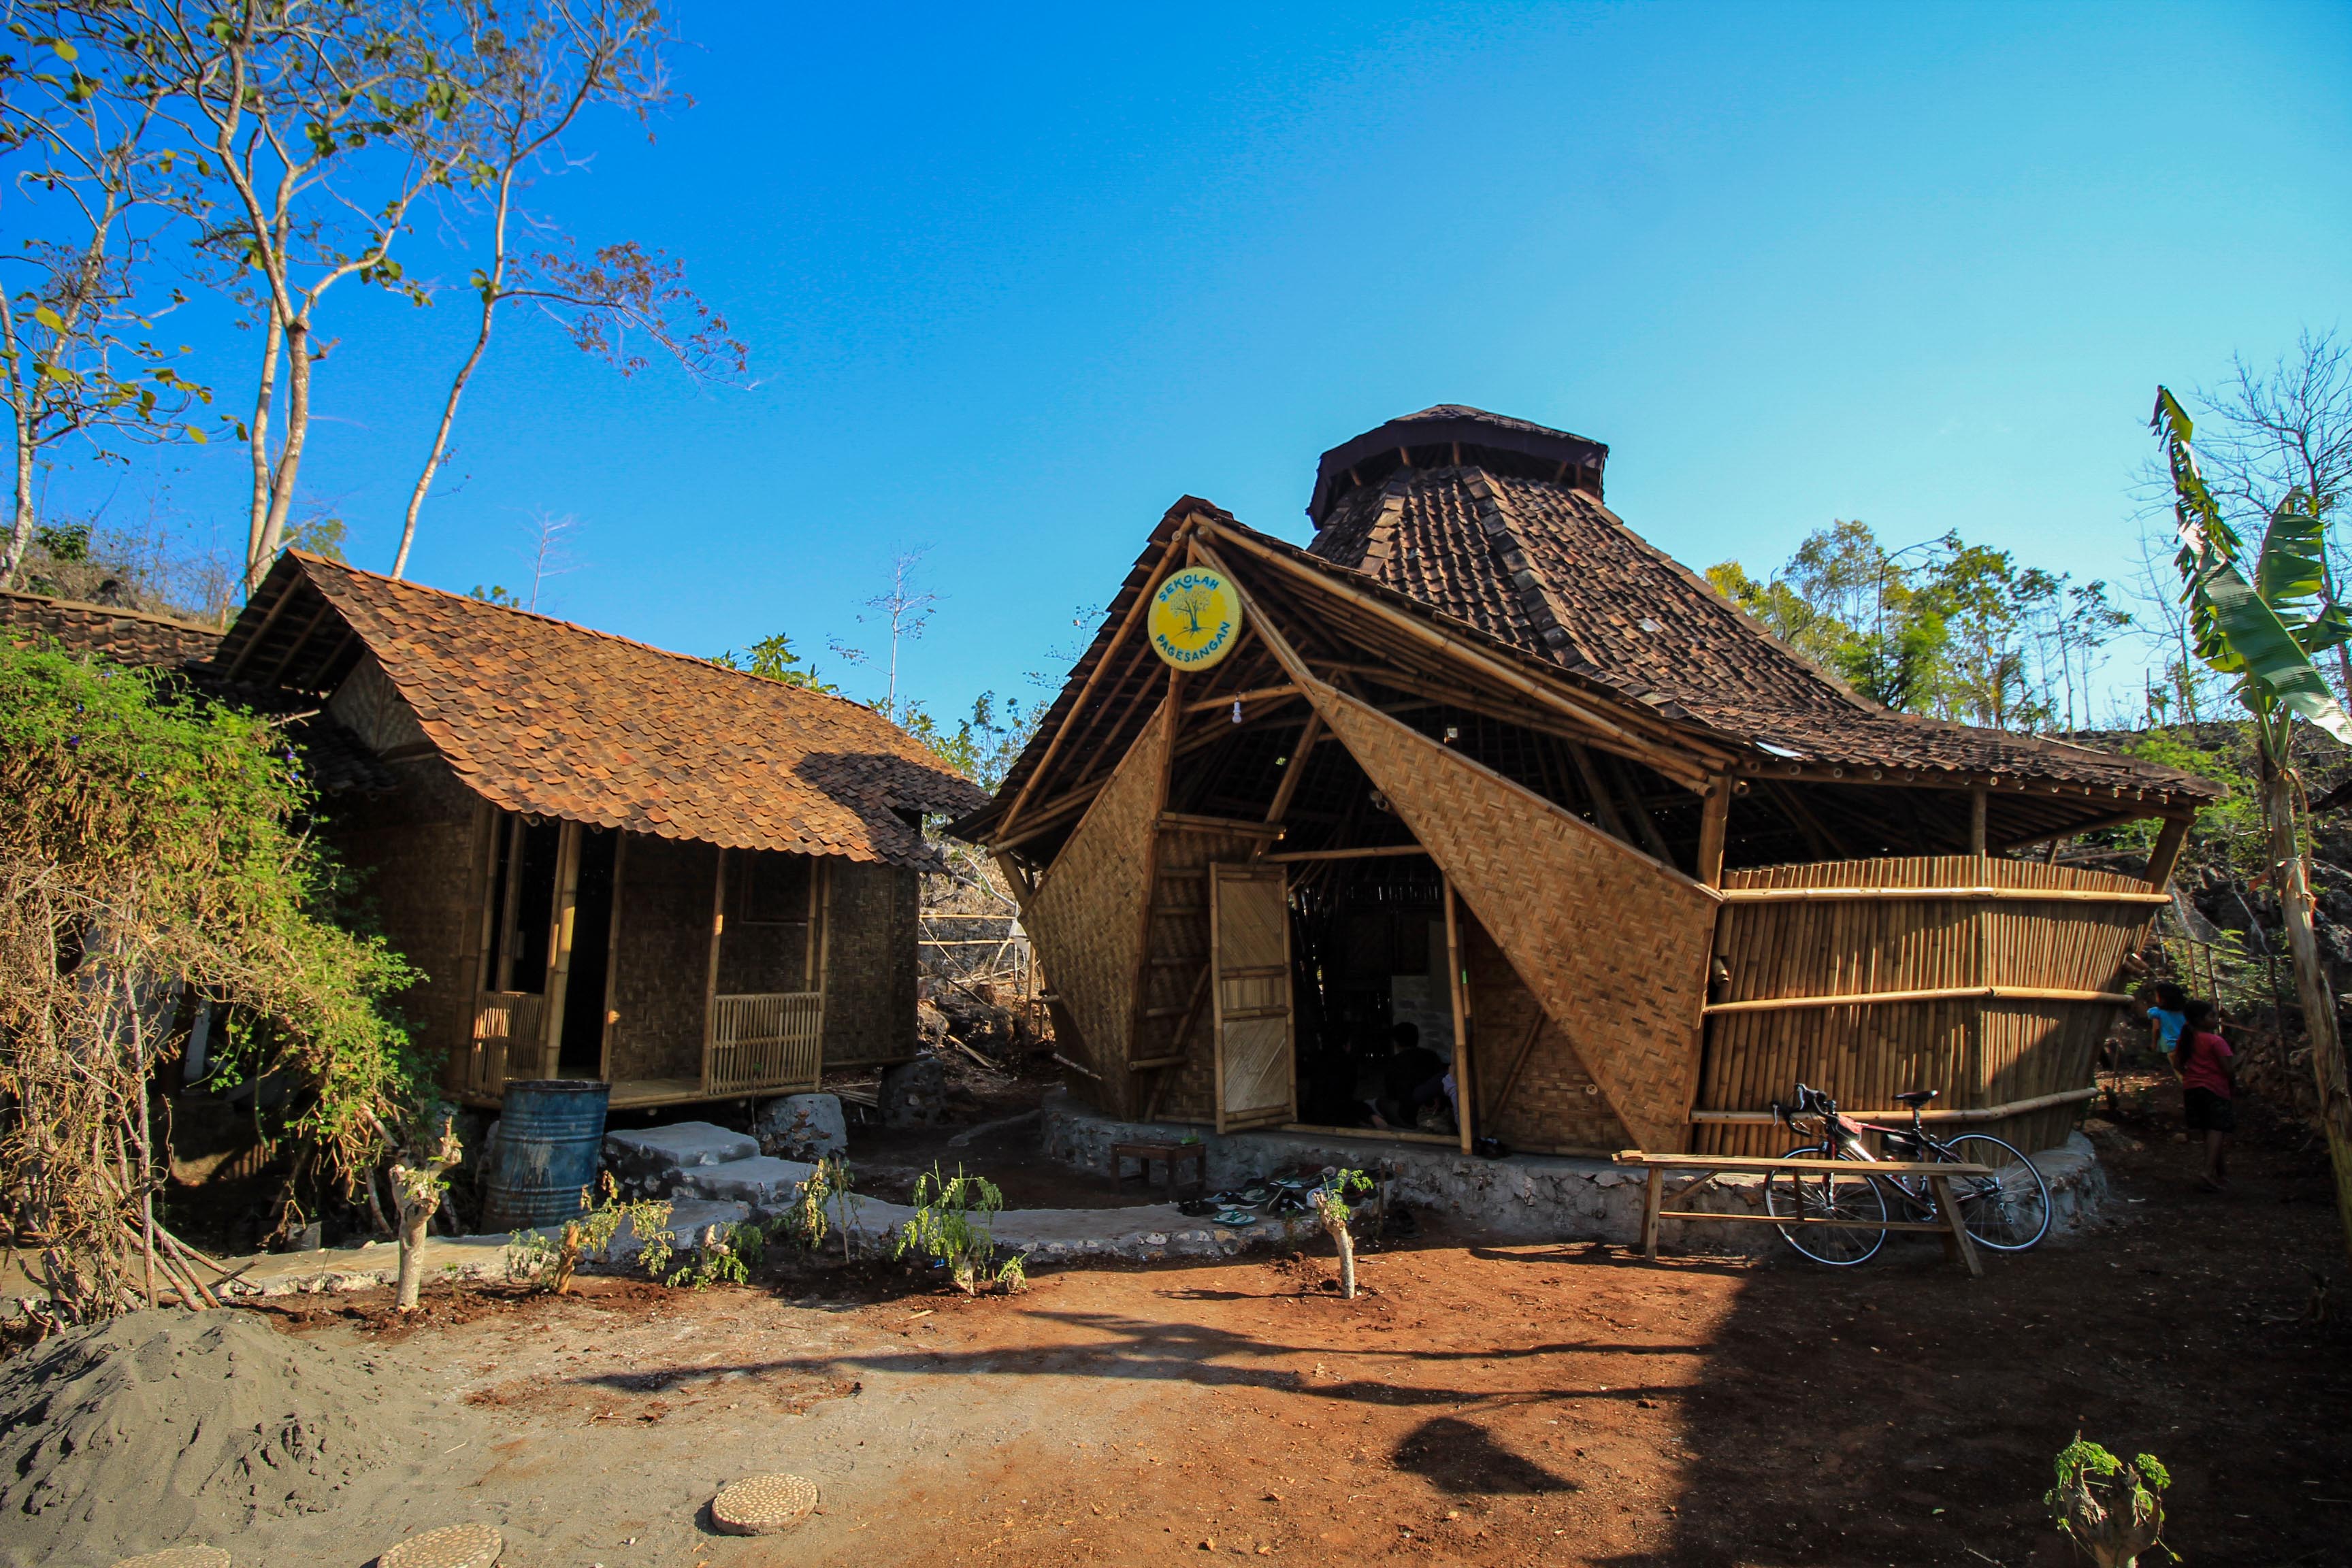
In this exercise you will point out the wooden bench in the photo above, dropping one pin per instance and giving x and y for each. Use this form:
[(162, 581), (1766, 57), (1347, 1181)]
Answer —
[(1947, 1222)]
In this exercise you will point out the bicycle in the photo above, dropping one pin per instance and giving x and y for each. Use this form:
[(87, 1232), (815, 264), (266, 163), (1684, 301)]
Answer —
[(2007, 1210)]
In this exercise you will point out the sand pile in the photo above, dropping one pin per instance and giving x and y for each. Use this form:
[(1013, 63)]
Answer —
[(165, 1427)]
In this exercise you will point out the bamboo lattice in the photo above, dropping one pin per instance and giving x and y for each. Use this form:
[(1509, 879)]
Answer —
[(762, 1043), (1979, 1052), (1613, 946), (1088, 914)]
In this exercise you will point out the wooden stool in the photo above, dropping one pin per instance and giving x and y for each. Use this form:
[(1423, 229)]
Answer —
[(1172, 1155)]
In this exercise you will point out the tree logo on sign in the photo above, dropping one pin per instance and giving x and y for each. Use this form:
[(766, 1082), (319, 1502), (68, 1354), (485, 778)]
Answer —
[(1196, 615)]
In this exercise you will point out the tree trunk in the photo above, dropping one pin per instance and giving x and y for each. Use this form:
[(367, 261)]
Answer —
[(2292, 876), (265, 404), (290, 453), (1347, 1244), (412, 1217)]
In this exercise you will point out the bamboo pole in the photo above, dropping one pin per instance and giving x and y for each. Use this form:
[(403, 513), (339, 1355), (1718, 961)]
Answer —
[(1053, 748), (1937, 993), (1461, 1018), (1682, 768), (1955, 894)]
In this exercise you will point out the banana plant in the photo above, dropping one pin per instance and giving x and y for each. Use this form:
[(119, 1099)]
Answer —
[(2264, 622)]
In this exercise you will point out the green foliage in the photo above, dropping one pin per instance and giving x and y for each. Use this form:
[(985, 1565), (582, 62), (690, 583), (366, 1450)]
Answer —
[(2265, 631), (2112, 1510), (1946, 627), (985, 743), (322, 535), (496, 593), (531, 1257), (772, 659), (148, 838), (829, 1186), (951, 1226)]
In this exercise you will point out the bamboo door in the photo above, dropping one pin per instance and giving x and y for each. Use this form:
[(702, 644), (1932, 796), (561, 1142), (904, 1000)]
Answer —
[(1249, 941)]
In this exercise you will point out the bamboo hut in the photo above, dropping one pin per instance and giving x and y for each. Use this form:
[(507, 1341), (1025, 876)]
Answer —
[(1482, 758), (610, 862)]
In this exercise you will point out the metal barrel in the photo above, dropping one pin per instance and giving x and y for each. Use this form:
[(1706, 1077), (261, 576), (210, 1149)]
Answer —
[(551, 1136)]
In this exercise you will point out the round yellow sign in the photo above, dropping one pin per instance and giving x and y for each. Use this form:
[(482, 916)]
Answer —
[(1195, 619)]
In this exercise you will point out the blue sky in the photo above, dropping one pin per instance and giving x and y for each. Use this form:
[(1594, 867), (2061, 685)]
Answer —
[(1015, 279)]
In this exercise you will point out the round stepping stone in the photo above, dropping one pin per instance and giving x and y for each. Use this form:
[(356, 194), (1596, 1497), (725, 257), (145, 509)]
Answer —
[(179, 1557), (455, 1546), (762, 1505)]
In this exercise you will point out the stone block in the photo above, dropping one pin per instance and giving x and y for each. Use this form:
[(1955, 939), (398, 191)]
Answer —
[(761, 1180), (915, 1093), (802, 1127), (642, 1155)]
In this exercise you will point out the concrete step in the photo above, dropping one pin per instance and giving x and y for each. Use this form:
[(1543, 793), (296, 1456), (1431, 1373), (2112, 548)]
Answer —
[(644, 1158), (761, 1180)]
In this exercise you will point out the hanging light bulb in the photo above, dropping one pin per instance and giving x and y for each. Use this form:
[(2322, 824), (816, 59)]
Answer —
[(1237, 710)]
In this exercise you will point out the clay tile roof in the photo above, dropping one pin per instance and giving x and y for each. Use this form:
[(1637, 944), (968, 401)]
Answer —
[(539, 715), (1545, 568), (127, 637)]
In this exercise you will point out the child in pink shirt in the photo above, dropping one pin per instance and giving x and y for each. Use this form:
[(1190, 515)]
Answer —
[(2205, 1063)]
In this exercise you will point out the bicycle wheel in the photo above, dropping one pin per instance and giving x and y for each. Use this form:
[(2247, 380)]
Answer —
[(2008, 1211), (1826, 1195)]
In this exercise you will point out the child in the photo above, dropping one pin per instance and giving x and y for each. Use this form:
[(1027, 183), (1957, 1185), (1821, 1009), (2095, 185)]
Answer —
[(2165, 1019), (2205, 1063)]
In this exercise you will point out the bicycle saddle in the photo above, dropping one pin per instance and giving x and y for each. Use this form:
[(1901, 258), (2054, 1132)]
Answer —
[(1916, 1096)]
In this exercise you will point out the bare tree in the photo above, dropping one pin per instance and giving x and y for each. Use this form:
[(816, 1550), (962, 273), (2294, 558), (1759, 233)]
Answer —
[(536, 69), (78, 295), (904, 608), (548, 551), (316, 125)]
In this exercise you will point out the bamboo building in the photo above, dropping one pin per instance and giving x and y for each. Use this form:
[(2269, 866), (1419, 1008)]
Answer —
[(1484, 760)]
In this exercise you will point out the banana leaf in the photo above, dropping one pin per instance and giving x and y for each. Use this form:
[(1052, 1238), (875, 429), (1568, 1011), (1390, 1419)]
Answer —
[(2264, 649)]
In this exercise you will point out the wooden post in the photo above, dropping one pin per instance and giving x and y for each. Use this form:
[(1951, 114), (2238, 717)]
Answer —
[(1461, 1018), (1979, 800), (559, 966), (824, 961), (1650, 1202), (710, 971), (1949, 1213), (613, 958), (2167, 854), (1713, 827)]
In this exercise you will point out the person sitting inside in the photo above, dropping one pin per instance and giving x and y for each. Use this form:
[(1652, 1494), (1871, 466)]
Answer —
[(1414, 1077), (2206, 1064)]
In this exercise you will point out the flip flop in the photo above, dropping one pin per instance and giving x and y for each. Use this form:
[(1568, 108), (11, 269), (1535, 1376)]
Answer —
[(1235, 1218)]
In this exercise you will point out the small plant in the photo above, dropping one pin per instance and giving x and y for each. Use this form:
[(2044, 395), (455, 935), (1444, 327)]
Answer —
[(829, 1183), (723, 1255), (1330, 1201), (2112, 1511), (1012, 1274), (950, 1227), (531, 1257)]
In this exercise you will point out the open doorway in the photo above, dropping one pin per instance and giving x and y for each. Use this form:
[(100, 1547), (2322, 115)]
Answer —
[(581, 1052)]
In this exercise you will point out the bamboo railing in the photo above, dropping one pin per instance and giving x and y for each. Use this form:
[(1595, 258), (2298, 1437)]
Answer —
[(765, 1043), (509, 1031)]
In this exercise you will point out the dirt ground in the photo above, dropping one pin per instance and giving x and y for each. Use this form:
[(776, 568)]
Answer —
[(1478, 1405)]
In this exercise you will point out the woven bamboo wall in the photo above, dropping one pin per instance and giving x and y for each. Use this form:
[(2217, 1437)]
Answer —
[(1175, 962), (1601, 934), (1088, 920), (1979, 1051), (1553, 1102)]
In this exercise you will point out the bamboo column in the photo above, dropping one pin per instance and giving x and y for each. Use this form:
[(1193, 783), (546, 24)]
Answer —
[(559, 968), (1453, 985)]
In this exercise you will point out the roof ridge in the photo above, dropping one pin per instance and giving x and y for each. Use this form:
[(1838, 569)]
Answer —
[(160, 617), (404, 583), (1505, 533)]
